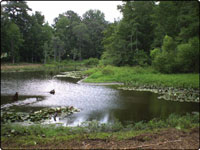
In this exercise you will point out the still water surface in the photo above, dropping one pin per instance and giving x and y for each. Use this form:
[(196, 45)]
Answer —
[(101, 103)]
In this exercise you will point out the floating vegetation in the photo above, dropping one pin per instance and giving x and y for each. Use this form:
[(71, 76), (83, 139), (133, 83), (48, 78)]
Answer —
[(43, 114), (71, 74), (170, 93)]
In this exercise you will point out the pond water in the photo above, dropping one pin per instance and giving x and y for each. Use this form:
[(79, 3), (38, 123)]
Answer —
[(102, 103)]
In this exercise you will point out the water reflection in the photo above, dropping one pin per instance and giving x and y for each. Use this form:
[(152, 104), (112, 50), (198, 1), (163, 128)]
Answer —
[(101, 103)]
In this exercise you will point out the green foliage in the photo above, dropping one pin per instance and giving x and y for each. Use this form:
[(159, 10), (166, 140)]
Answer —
[(142, 76), (95, 130), (155, 52), (15, 40), (107, 70), (140, 58), (172, 27), (183, 122), (91, 61), (96, 23), (184, 58), (188, 56), (123, 39), (169, 45), (165, 61)]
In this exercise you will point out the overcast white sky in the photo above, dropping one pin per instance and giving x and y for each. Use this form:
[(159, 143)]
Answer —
[(51, 9)]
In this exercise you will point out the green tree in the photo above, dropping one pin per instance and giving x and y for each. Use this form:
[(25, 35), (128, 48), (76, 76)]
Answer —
[(36, 38), (15, 37), (165, 21), (188, 56), (169, 45), (132, 34), (82, 35), (164, 61), (95, 22), (188, 20), (47, 36)]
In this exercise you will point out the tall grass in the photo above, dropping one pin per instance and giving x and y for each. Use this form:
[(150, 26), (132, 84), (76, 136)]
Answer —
[(141, 76), (176, 121)]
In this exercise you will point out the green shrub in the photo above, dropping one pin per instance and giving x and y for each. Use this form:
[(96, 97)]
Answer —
[(141, 58), (92, 61), (90, 71), (188, 56), (154, 53), (169, 44), (117, 126), (173, 120), (184, 58), (108, 70), (164, 61), (140, 126)]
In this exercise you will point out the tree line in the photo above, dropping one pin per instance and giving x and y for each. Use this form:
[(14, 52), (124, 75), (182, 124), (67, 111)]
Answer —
[(163, 34), (28, 38)]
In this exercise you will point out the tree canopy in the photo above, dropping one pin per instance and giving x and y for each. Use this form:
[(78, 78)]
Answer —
[(164, 35)]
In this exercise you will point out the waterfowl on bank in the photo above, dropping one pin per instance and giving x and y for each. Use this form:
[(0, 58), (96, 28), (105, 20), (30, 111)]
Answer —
[(15, 97), (52, 91)]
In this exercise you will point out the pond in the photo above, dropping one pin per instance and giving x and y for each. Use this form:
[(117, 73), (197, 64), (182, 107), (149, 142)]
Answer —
[(102, 103)]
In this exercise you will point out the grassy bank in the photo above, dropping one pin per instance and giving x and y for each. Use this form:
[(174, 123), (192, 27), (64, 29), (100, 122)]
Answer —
[(53, 67), (8, 67), (23, 136), (137, 76)]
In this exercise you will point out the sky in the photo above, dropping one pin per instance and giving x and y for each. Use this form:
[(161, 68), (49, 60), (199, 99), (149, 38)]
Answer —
[(51, 9)]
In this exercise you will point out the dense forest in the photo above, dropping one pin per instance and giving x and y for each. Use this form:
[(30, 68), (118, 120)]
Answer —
[(164, 35)]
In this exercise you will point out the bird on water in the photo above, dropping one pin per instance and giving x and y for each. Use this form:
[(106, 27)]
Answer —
[(52, 91), (15, 97)]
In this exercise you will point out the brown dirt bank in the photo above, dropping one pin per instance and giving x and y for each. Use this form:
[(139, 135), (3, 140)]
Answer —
[(165, 139)]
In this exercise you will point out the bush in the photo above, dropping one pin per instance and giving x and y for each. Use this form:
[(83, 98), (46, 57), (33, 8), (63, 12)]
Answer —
[(92, 61), (169, 44), (108, 70), (164, 61), (188, 56), (155, 52), (184, 58), (140, 125), (141, 58)]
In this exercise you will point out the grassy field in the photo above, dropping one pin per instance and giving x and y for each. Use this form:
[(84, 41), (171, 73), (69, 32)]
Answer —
[(137, 76), (25, 136)]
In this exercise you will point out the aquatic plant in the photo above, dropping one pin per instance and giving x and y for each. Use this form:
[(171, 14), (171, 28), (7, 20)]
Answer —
[(168, 93), (46, 113)]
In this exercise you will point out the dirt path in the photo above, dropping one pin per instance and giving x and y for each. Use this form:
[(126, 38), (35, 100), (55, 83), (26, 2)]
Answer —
[(166, 139)]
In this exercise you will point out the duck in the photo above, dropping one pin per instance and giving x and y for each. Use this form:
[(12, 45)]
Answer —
[(52, 91), (15, 97)]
